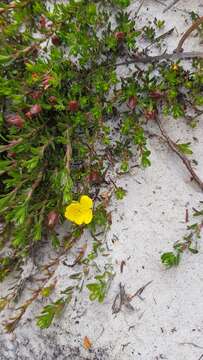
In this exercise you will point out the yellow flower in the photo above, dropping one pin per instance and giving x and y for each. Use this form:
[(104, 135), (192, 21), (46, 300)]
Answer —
[(175, 67), (80, 212)]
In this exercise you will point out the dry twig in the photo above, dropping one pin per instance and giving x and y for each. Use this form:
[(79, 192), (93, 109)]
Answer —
[(193, 27), (173, 146), (123, 299)]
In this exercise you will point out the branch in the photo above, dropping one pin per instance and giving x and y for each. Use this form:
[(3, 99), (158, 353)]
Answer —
[(193, 27), (35, 185), (144, 59), (184, 159)]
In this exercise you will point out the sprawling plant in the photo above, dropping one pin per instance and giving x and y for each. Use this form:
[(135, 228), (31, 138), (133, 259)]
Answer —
[(68, 118)]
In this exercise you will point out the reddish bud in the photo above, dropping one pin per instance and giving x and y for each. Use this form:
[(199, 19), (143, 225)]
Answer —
[(55, 40), (132, 102), (11, 154), (95, 177), (28, 114), (42, 21), (52, 100), (36, 94), (73, 105), (119, 35), (35, 109), (52, 218), (46, 81), (150, 114), (15, 120), (156, 95)]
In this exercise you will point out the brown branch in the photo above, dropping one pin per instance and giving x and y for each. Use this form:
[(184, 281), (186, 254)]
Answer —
[(193, 27), (12, 323), (145, 59), (173, 146), (35, 185), (166, 56)]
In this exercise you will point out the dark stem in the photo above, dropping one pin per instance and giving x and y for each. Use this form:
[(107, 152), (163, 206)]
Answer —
[(173, 146), (193, 27), (144, 59)]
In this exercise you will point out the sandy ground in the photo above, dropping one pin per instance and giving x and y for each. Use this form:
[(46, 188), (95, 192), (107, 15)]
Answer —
[(167, 323)]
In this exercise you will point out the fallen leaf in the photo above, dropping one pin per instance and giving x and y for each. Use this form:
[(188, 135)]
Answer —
[(106, 195), (87, 343)]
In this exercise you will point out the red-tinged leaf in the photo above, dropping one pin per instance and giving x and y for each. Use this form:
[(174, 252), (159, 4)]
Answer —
[(132, 102)]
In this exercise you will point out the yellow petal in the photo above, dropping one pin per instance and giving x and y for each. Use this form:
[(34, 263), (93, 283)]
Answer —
[(87, 217), (73, 213), (79, 220), (86, 202)]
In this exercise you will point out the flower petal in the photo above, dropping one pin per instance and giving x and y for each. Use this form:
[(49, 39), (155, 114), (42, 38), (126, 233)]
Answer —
[(86, 202), (73, 213), (87, 216)]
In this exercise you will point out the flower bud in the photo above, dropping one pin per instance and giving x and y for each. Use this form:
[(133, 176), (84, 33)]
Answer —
[(52, 100), (11, 154), (119, 35), (73, 105), (95, 177), (150, 114), (42, 21), (46, 81), (156, 95), (35, 109), (15, 120), (36, 94), (132, 102), (55, 40), (52, 218)]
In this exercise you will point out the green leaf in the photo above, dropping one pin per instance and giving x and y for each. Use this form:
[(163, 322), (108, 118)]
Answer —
[(54, 240), (145, 158), (169, 259), (37, 231), (4, 59), (46, 291), (124, 166), (32, 163), (4, 164), (185, 148), (19, 214), (5, 201), (122, 3), (120, 193), (48, 313)]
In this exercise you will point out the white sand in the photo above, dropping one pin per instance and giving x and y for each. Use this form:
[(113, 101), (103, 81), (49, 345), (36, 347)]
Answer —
[(146, 222)]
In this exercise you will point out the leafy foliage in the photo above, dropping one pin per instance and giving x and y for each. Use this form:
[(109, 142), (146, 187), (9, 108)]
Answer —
[(66, 118), (48, 313), (189, 243), (98, 289)]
